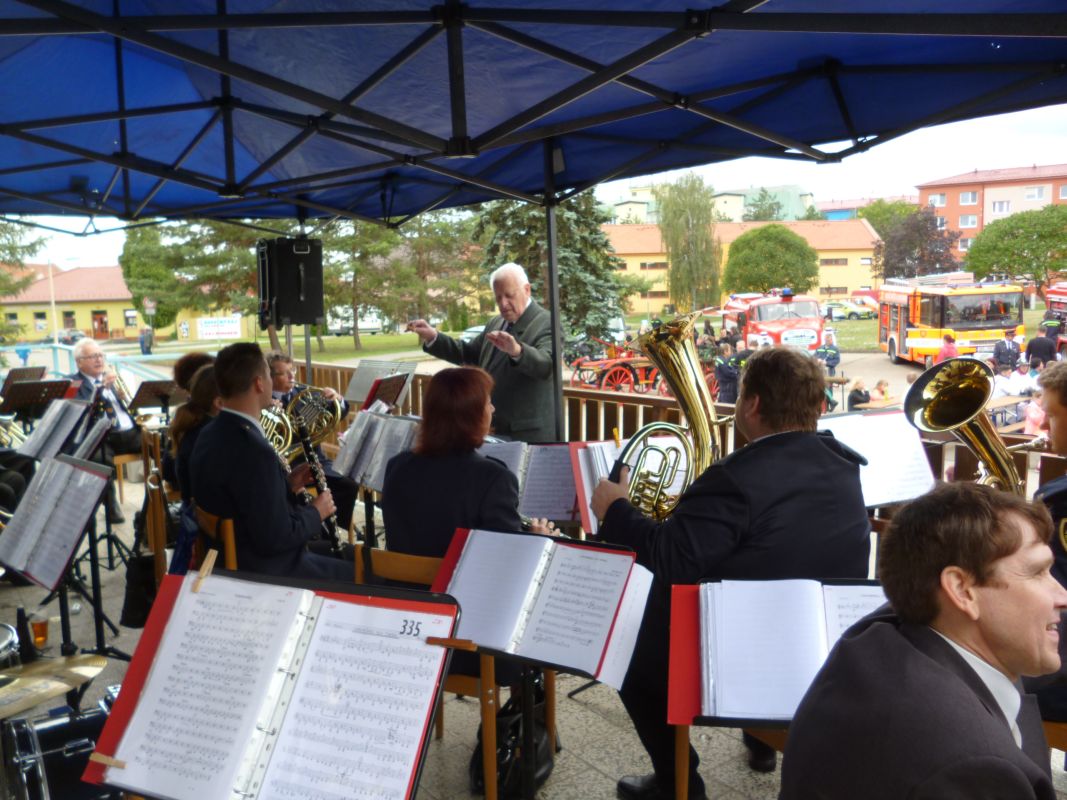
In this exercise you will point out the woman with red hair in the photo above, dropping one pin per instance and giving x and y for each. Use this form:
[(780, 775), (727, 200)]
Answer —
[(444, 483)]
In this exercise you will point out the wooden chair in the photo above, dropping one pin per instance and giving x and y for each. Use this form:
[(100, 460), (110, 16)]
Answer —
[(120, 461), (220, 531), (152, 457), (1055, 734), (422, 570), (156, 523)]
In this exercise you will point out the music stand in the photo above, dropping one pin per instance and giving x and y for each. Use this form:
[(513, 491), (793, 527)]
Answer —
[(29, 399), (158, 394), (20, 375), (370, 370), (388, 390)]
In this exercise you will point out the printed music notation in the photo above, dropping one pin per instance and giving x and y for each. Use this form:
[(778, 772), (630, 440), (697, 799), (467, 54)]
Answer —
[(360, 707)]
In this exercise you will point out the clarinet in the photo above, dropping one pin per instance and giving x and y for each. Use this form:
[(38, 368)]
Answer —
[(330, 523)]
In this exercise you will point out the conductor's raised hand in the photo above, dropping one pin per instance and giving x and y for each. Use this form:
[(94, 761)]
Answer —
[(502, 340), (299, 478), (324, 504), (607, 492), (425, 331)]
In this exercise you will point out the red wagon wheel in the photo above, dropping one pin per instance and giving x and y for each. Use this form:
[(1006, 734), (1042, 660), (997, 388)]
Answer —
[(647, 381), (582, 375), (617, 379)]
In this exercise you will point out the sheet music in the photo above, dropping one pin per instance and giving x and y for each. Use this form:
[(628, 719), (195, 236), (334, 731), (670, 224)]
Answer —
[(897, 467), (93, 438), (53, 429), (208, 685), (846, 605), (770, 645), (512, 454), (361, 706), (627, 625), (353, 441), (375, 425), (396, 437), (492, 581), (549, 490), (572, 615)]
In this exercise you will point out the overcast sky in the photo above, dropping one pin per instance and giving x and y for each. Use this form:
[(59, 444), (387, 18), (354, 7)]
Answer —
[(1011, 140)]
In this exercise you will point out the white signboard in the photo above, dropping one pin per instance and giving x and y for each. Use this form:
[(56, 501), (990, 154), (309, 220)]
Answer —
[(218, 327)]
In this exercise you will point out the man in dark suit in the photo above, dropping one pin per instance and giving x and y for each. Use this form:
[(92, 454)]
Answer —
[(237, 475), (1043, 347), (125, 434), (1006, 351), (516, 349), (921, 698), (787, 505)]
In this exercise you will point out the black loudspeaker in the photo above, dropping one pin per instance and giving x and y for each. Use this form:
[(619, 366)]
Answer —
[(290, 281)]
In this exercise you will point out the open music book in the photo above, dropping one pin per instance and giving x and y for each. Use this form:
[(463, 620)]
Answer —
[(51, 517), (372, 439), (762, 642), (556, 601), (546, 480), (253, 690), (54, 429)]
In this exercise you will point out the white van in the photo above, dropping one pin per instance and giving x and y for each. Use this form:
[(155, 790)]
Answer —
[(339, 321)]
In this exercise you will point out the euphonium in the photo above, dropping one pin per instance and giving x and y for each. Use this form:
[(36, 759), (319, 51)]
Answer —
[(659, 468), (951, 397)]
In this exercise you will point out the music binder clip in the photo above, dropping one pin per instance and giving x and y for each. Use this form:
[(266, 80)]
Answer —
[(107, 761), (205, 568), (455, 644)]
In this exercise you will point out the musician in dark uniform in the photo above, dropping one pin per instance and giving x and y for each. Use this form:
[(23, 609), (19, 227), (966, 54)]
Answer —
[(787, 505), (284, 389), (125, 434), (236, 474)]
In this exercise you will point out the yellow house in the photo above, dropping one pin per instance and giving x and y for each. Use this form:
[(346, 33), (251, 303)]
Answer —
[(845, 249)]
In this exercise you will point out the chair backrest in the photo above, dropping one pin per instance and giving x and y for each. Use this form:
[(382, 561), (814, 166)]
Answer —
[(151, 451), (219, 530), (397, 566), (156, 524)]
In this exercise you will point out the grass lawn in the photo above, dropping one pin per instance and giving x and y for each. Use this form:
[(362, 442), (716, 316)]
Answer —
[(340, 348)]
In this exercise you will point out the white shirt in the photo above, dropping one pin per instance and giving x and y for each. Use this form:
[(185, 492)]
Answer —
[(1021, 383), (123, 422), (1004, 691)]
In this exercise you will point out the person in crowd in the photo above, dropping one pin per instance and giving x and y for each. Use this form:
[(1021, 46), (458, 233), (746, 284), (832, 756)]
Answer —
[(1043, 347), (829, 355), (1002, 382), (858, 394), (948, 349), (283, 389), (1006, 351), (184, 370), (1020, 382), (237, 475), (98, 384), (739, 520), (189, 420), (726, 373), (1034, 415), (881, 390), (709, 331), (920, 699), (516, 349), (1036, 366)]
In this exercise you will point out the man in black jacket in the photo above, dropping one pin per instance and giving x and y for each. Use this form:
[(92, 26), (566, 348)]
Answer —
[(787, 505), (1043, 347)]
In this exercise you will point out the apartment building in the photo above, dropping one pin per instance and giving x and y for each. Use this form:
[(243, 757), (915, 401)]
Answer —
[(968, 202)]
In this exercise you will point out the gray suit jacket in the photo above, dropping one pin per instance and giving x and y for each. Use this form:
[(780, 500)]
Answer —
[(523, 392), (897, 713)]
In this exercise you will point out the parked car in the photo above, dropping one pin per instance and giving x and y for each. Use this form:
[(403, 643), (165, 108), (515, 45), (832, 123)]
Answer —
[(840, 310), (471, 333), (66, 336)]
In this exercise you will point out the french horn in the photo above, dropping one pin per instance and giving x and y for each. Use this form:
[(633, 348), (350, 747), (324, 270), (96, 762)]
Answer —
[(319, 415)]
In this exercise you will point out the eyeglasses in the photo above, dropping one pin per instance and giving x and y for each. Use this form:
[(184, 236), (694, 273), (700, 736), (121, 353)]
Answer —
[(93, 357)]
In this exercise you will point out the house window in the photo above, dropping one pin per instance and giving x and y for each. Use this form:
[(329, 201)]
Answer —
[(1034, 193), (131, 317), (40, 320), (968, 220), (937, 200), (1063, 192), (653, 265), (968, 198), (833, 290), (833, 262), (940, 223), (68, 319), (12, 318), (965, 245), (1002, 206), (866, 261)]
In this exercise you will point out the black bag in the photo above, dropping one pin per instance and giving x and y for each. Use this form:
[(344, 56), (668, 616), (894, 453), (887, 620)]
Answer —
[(509, 758), (140, 590)]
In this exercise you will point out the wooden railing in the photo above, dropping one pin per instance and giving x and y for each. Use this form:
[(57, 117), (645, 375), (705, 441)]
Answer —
[(592, 415)]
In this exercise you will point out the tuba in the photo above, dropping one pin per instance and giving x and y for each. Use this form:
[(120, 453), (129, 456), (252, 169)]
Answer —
[(663, 471), (951, 397)]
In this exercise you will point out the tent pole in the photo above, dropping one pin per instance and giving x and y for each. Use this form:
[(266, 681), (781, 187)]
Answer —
[(553, 285)]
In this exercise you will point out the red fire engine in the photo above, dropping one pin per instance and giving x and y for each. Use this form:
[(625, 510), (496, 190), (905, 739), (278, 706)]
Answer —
[(776, 318)]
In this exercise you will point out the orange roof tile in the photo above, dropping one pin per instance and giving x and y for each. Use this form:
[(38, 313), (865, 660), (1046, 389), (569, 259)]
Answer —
[(844, 234), (1010, 174), (74, 285)]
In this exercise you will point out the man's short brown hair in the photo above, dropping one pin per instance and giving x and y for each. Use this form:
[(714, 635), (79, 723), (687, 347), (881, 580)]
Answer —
[(1054, 379), (237, 367), (965, 525), (790, 387), (188, 365)]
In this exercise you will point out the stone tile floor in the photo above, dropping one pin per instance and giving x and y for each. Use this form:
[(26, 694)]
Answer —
[(599, 744)]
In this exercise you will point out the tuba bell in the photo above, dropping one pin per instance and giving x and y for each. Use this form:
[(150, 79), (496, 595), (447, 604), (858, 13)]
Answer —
[(663, 471), (951, 397)]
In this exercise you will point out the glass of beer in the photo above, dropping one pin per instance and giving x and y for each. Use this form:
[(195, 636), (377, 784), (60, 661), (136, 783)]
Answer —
[(39, 627)]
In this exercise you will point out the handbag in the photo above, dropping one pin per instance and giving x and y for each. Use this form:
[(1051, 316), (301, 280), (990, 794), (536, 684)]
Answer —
[(140, 590), (509, 754)]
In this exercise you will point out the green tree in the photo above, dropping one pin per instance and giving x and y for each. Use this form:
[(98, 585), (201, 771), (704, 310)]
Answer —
[(687, 226), (591, 290), (1030, 242), (813, 214), (149, 269), (915, 246), (762, 208), (769, 257), (14, 249), (884, 215)]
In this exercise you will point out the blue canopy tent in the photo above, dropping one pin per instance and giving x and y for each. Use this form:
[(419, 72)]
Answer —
[(382, 109)]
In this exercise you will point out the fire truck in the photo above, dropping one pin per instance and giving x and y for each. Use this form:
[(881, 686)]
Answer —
[(1056, 314), (776, 318)]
